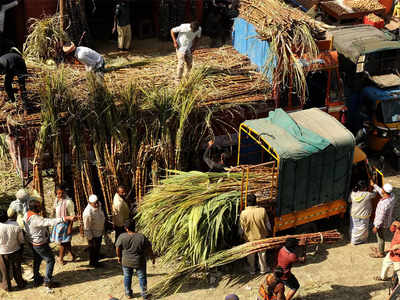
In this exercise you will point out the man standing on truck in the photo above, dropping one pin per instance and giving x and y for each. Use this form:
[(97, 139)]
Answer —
[(286, 258), (254, 222), (185, 44), (215, 166), (122, 23), (383, 217)]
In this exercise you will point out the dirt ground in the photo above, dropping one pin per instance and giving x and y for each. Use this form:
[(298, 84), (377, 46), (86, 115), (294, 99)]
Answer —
[(339, 271)]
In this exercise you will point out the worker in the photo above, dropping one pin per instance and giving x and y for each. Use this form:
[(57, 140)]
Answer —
[(93, 225), (93, 61), (185, 44), (12, 64), (11, 250), (272, 287), (215, 166), (20, 206), (255, 225), (383, 217), (122, 24), (36, 228), (120, 211), (361, 209), (396, 10), (392, 258), (286, 258)]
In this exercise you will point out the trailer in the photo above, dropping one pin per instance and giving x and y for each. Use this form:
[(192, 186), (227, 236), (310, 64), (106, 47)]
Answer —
[(311, 158)]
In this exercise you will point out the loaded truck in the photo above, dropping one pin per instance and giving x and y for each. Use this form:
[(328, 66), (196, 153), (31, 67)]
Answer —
[(310, 163), (369, 62)]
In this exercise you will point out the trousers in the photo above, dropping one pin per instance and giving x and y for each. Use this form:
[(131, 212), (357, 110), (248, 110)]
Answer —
[(262, 260), (184, 59), (124, 36)]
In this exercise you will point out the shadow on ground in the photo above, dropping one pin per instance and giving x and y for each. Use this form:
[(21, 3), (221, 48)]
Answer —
[(347, 292)]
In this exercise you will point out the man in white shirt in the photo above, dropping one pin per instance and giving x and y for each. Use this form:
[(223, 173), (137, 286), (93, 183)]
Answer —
[(188, 38), (11, 249), (93, 61), (93, 225), (120, 211)]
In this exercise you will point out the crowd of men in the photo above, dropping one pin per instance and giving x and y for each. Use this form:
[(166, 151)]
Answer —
[(24, 224)]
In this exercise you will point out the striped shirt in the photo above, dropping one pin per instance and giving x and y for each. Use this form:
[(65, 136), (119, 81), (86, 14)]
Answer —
[(384, 210)]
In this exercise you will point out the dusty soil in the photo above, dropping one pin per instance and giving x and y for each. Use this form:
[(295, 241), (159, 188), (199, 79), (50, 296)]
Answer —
[(339, 271)]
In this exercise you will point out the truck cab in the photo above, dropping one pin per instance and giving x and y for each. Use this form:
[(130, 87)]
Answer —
[(370, 61)]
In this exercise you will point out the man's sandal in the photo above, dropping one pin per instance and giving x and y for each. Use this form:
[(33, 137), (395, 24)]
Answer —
[(376, 255), (378, 278)]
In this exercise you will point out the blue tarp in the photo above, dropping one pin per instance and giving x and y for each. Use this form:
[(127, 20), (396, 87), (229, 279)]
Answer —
[(245, 41)]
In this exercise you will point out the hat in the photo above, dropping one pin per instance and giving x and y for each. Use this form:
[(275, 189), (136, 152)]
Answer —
[(21, 194), (387, 188), (232, 297), (69, 49), (93, 198)]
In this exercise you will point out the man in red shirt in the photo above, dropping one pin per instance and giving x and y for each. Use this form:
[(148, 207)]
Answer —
[(392, 258), (286, 257)]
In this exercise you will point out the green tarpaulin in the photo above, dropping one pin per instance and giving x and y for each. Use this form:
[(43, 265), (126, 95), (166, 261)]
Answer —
[(316, 153)]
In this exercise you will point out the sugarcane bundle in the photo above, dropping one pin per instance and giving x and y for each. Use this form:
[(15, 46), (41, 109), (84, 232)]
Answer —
[(290, 33), (173, 282), (191, 215), (44, 40)]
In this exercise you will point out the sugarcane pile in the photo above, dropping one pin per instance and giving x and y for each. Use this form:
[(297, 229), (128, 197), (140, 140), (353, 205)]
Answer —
[(44, 40), (176, 279), (364, 5), (291, 34), (191, 215), (144, 131)]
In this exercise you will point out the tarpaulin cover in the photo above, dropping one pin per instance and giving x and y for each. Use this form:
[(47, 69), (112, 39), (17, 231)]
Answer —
[(316, 154), (245, 41), (354, 41)]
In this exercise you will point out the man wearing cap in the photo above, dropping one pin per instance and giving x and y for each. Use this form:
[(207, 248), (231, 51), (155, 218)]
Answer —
[(93, 61), (20, 206), (11, 250), (255, 225), (37, 231), (93, 225), (383, 217)]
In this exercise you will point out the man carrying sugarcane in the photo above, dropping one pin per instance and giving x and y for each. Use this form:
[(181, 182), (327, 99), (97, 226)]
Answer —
[(254, 222), (286, 258), (12, 64), (186, 42)]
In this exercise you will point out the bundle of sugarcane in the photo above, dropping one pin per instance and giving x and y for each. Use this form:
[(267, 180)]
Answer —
[(291, 34), (192, 214), (44, 40), (173, 282)]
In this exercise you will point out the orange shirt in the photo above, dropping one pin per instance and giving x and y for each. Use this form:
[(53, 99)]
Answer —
[(395, 254)]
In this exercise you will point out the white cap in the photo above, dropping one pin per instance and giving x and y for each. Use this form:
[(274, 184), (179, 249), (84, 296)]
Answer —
[(21, 194), (387, 187), (93, 198)]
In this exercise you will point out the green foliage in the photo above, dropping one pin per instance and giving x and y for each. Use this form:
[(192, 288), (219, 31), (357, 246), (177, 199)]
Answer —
[(191, 214), (44, 39)]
